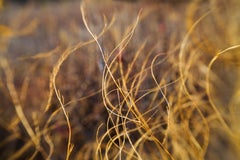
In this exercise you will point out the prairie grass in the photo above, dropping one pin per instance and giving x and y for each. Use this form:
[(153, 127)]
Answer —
[(120, 80)]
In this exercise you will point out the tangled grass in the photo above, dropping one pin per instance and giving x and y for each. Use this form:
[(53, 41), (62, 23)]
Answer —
[(120, 80)]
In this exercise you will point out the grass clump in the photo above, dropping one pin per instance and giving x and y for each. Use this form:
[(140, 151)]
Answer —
[(120, 80)]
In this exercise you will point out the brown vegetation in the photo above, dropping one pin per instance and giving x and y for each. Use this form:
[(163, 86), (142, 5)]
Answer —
[(120, 80)]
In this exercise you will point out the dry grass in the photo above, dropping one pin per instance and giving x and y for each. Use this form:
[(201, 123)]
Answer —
[(120, 80)]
